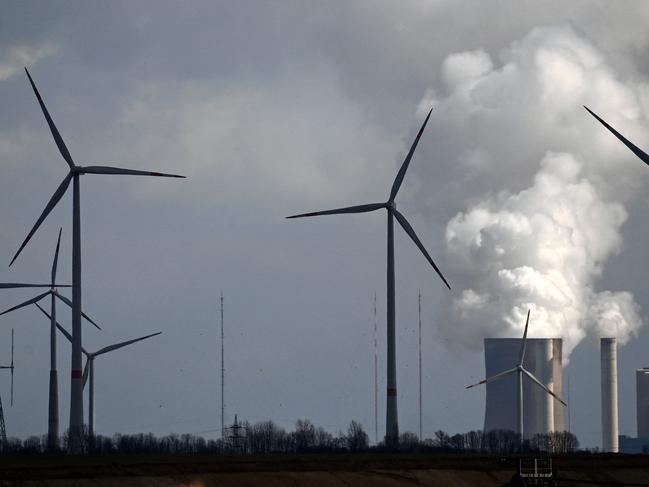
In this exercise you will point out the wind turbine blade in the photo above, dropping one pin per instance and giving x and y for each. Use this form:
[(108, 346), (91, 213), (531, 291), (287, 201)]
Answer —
[(524, 343), (635, 149), (14, 285), (110, 348), (85, 371), (404, 167), (26, 303), (542, 386), (348, 209), (492, 378), (125, 172), (61, 329), (69, 303), (411, 233), (55, 133), (58, 194), (56, 257)]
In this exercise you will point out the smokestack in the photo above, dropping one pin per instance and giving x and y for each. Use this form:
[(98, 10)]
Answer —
[(608, 349)]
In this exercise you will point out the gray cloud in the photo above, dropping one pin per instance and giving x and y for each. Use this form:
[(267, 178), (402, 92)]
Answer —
[(285, 106)]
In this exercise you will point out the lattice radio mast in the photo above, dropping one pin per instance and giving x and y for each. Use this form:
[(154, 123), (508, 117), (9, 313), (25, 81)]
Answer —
[(376, 381), (420, 408), (222, 375)]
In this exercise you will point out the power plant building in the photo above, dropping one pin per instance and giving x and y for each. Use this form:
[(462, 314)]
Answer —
[(541, 412), (642, 401)]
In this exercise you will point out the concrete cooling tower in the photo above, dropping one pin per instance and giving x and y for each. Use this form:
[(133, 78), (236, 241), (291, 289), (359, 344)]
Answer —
[(541, 413)]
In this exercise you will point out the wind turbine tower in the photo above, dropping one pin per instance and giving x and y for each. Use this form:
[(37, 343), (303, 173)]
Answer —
[(73, 176), (3, 429), (391, 419)]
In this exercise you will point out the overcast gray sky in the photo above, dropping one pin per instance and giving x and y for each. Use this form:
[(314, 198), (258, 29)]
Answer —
[(273, 108)]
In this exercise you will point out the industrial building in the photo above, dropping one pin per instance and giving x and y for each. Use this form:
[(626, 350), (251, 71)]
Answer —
[(608, 359), (541, 413), (642, 401)]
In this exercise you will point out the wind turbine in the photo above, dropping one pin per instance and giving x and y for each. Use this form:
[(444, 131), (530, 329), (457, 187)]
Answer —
[(520, 371), (11, 367), (53, 409), (392, 422), (3, 430), (76, 389), (89, 369), (635, 149)]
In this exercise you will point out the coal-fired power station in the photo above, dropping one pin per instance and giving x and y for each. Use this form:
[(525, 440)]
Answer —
[(541, 413)]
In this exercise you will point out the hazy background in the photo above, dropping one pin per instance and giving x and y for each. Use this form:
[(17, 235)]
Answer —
[(274, 108)]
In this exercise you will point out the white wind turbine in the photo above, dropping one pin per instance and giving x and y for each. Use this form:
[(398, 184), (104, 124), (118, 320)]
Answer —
[(76, 389), (89, 369), (520, 371), (3, 430), (392, 422), (53, 409), (10, 368)]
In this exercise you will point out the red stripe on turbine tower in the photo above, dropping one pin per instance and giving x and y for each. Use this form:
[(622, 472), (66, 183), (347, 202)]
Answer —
[(392, 392), (77, 374)]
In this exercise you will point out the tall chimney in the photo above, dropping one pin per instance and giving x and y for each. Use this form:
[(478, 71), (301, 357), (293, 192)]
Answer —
[(608, 349)]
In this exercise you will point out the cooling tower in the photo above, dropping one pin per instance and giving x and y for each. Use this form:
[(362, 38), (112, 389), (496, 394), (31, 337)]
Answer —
[(608, 355), (541, 413), (642, 401)]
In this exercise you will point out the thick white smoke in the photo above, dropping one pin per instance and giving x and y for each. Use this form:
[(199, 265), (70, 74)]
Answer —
[(542, 247)]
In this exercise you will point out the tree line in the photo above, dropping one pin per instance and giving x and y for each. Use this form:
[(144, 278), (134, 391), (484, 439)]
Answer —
[(265, 437)]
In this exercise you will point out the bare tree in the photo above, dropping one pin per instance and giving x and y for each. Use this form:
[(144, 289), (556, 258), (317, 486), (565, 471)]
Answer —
[(357, 439)]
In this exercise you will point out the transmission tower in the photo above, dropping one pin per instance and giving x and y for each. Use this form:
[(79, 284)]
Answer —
[(235, 436)]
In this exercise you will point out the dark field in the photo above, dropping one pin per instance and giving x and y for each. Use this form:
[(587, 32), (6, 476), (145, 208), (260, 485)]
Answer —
[(312, 470)]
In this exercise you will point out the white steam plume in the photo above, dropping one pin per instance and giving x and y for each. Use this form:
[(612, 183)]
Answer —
[(534, 237), (543, 249)]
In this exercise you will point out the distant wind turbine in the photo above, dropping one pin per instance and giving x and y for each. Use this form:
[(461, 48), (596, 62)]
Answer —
[(643, 156), (89, 369), (76, 389), (520, 371), (53, 409), (392, 422), (3, 430), (11, 367)]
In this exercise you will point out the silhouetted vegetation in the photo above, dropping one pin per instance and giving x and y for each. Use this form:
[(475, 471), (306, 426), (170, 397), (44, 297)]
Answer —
[(266, 437)]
